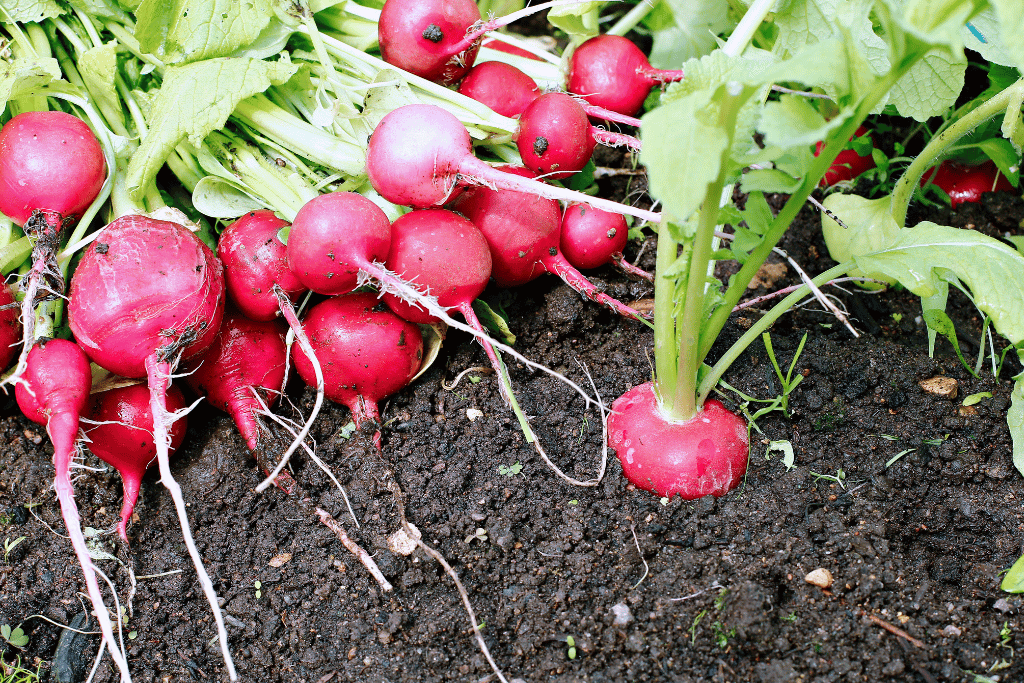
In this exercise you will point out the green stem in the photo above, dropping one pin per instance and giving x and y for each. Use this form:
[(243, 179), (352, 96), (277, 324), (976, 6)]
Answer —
[(906, 185), (633, 17), (710, 380), (747, 27), (666, 348)]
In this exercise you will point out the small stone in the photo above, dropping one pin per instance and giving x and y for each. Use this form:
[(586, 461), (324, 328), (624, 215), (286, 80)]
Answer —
[(401, 543), (1002, 605), (622, 614), (474, 414), (280, 560), (951, 631), (943, 387), (820, 577)]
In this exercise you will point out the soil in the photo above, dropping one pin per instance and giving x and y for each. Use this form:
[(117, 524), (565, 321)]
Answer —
[(909, 499)]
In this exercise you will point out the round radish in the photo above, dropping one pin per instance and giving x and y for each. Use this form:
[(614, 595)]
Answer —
[(613, 73), (706, 455), (592, 238), (426, 38), (500, 86), (848, 164), (964, 183), (366, 353), (124, 437), (54, 391), (255, 260), (554, 137)]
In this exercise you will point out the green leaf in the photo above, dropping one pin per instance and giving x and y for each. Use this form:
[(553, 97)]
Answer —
[(98, 68), (579, 20), (923, 256), (684, 29), (1013, 582), (5, 631), (792, 121), (191, 30), (21, 77), (493, 321), (1005, 157), (784, 447), (27, 11), (931, 86), (806, 22), (219, 198), (196, 99), (990, 45), (769, 180), (976, 398), (938, 320), (1011, 28), (870, 227), (1015, 420), (1017, 241), (18, 638)]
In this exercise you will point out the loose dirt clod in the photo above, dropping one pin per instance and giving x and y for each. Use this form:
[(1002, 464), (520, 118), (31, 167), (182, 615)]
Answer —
[(943, 387), (820, 577)]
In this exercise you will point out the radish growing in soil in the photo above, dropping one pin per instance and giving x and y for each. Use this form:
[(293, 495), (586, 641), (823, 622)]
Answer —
[(613, 73), (965, 183), (54, 392), (592, 238), (146, 294), (419, 153), (848, 164), (523, 232), (123, 437), (52, 169)]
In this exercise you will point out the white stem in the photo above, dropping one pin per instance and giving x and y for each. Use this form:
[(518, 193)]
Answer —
[(748, 25)]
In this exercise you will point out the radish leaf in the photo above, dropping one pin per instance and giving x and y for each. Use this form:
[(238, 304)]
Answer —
[(27, 11), (1015, 420), (20, 77), (188, 31), (931, 86)]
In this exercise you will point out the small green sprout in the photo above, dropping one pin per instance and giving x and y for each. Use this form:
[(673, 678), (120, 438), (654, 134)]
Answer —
[(722, 635), (14, 637), (693, 627), (976, 398), (574, 502), (791, 617), (258, 586), (347, 431), (839, 477), (10, 545), (474, 379), (132, 635), (897, 317), (478, 535), (510, 470), (720, 600), (571, 642)]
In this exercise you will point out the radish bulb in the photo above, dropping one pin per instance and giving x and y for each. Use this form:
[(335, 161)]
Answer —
[(613, 73), (592, 238)]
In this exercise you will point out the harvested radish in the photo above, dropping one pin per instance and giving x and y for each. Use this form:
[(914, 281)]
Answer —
[(54, 391), (592, 238), (124, 437), (848, 164), (419, 153), (10, 326), (613, 73), (366, 353), (502, 46), (523, 232), (146, 294), (427, 38), (964, 183), (705, 455), (242, 374), (500, 86)]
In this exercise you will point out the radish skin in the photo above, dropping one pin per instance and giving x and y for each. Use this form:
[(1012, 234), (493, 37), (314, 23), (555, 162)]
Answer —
[(426, 38), (10, 326), (54, 392), (613, 73), (592, 238)]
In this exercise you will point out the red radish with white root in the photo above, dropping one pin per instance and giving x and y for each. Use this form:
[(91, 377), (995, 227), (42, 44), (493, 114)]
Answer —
[(613, 73), (51, 169), (419, 153), (592, 238), (123, 438), (523, 232), (54, 392), (146, 294)]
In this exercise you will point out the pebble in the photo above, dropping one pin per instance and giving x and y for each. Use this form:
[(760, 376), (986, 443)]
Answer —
[(622, 614), (279, 560), (951, 631), (1002, 605), (943, 387), (819, 577)]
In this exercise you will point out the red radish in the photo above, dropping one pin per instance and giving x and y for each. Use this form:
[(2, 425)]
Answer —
[(10, 326), (613, 73), (242, 374), (500, 86), (366, 353), (848, 164), (146, 294), (124, 438), (51, 170), (420, 152), (592, 238), (502, 46), (427, 38), (54, 391), (964, 183), (706, 455), (523, 233), (255, 260)]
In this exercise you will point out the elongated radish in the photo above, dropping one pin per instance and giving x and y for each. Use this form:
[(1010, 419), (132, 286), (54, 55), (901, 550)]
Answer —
[(419, 153), (10, 326), (592, 238), (613, 73), (51, 170), (146, 294), (54, 392), (123, 437), (523, 233), (366, 353), (705, 455), (243, 371)]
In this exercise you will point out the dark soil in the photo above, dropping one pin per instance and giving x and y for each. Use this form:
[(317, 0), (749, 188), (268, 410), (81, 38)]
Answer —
[(708, 590)]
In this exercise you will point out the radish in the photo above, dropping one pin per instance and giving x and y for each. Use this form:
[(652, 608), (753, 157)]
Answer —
[(54, 392), (500, 86), (523, 233), (613, 73), (964, 183), (146, 294), (366, 353), (123, 437), (244, 371), (10, 326), (592, 237), (51, 169), (419, 153), (848, 164), (427, 38), (705, 455), (502, 46)]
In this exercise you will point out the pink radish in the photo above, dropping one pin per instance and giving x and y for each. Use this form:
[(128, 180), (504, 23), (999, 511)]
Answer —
[(592, 238), (54, 392), (613, 73), (51, 169), (124, 438), (427, 38), (500, 86), (10, 326), (706, 455), (366, 353), (146, 294), (242, 374), (502, 46), (419, 153), (523, 233)]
